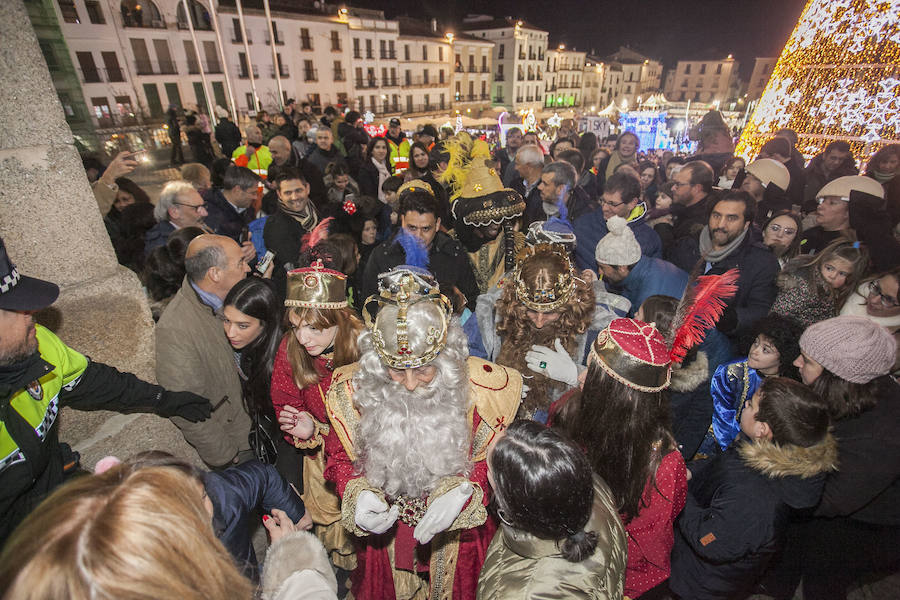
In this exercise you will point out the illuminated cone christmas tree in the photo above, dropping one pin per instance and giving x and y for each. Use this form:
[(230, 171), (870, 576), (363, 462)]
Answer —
[(838, 78)]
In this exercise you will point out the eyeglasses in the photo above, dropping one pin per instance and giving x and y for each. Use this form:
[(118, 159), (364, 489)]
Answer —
[(775, 228), (603, 202), (676, 184), (886, 301), (194, 206)]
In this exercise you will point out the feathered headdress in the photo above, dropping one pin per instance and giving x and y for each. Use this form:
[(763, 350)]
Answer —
[(416, 252), (319, 233), (699, 309)]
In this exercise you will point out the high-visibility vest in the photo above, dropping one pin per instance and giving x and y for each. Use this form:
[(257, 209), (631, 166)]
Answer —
[(399, 154)]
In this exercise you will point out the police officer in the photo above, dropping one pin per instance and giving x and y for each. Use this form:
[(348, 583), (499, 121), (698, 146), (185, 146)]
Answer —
[(38, 375)]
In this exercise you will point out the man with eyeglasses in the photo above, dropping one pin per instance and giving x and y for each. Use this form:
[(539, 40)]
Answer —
[(179, 206), (621, 197), (692, 189)]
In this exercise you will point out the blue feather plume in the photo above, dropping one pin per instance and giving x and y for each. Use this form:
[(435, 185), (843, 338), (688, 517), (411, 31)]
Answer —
[(416, 252)]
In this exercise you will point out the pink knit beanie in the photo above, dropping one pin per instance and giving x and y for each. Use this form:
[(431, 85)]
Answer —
[(854, 348)]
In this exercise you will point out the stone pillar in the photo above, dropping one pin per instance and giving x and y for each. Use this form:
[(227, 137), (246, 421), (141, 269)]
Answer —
[(53, 230)]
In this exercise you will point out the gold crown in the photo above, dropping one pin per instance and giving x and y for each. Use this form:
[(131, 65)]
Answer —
[(557, 291), (404, 287), (416, 185), (316, 287)]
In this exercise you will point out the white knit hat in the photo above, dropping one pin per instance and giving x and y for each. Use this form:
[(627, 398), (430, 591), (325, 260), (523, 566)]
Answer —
[(618, 247)]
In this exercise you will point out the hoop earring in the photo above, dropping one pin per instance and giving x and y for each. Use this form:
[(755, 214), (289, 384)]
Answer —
[(503, 518)]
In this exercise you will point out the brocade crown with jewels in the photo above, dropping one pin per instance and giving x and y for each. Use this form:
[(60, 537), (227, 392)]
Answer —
[(556, 293), (403, 287)]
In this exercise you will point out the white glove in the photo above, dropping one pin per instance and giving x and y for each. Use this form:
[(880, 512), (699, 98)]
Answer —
[(442, 512), (558, 365), (373, 514), (525, 389)]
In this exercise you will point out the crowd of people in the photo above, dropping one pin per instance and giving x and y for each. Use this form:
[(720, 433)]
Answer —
[(433, 368)]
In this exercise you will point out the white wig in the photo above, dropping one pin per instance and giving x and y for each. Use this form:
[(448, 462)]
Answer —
[(408, 441)]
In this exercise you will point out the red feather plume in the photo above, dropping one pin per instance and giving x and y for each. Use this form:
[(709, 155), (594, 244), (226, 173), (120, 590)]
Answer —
[(702, 305), (319, 233)]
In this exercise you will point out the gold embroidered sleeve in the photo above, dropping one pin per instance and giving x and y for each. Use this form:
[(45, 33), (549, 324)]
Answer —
[(319, 430), (348, 504), (474, 513)]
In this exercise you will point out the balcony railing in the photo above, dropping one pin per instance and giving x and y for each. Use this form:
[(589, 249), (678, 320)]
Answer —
[(336, 46), (282, 72), (278, 40), (163, 67), (499, 77), (143, 21), (242, 73), (485, 69), (357, 53), (340, 75), (498, 100), (310, 75), (305, 43)]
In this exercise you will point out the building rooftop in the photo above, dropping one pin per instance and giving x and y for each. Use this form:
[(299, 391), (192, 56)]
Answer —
[(480, 22)]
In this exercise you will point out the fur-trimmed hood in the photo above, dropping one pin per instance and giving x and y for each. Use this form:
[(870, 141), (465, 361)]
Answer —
[(297, 567), (689, 377), (798, 472)]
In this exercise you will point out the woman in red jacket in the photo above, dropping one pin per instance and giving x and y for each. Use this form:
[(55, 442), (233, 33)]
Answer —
[(322, 337), (621, 418)]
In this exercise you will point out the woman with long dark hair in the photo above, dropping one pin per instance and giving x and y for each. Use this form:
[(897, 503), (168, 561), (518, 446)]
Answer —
[(621, 419), (252, 315), (550, 504), (376, 169)]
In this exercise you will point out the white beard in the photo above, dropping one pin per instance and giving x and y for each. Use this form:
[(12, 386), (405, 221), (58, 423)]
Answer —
[(408, 441)]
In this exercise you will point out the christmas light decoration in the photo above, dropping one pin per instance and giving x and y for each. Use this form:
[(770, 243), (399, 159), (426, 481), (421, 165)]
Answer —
[(838, 78)]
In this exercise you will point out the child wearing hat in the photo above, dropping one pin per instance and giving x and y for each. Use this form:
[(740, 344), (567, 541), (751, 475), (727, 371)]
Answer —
[(740, 501)]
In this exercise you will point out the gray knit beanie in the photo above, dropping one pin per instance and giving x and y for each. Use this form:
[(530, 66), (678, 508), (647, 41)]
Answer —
[(855, 349), (618, 247)]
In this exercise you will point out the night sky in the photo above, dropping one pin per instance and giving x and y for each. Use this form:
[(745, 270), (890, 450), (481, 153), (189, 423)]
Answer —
[(663, 29)]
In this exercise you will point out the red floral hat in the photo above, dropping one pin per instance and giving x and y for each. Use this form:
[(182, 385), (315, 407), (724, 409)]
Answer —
[(635, 354)]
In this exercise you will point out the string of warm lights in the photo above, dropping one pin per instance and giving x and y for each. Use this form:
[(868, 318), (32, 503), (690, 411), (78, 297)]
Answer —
[(838, 78)]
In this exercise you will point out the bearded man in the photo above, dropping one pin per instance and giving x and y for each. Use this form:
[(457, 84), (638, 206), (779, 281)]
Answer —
[(411, 424)]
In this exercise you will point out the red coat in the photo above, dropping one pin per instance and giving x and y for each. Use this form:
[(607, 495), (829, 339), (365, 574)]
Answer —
[(651, 533), (284, 390)]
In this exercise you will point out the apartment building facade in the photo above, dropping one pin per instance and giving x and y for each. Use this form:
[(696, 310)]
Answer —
[(708, 81), (519, 60), (473, 66), (563, 78), (762, 71)]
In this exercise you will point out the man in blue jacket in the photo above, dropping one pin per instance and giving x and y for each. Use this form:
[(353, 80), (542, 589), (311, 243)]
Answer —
[(629, 273), (622, 198)]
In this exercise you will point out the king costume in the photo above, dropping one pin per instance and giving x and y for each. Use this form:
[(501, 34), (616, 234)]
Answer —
[(438, 487)]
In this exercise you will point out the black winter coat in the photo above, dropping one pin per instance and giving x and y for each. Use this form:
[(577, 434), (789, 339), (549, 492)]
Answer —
[(689, 221), (756, 283), (237, 493), (449, 264), (283, 236), (223, 218), (867, 487), (691, 404), (229, 136), (737, 511)]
